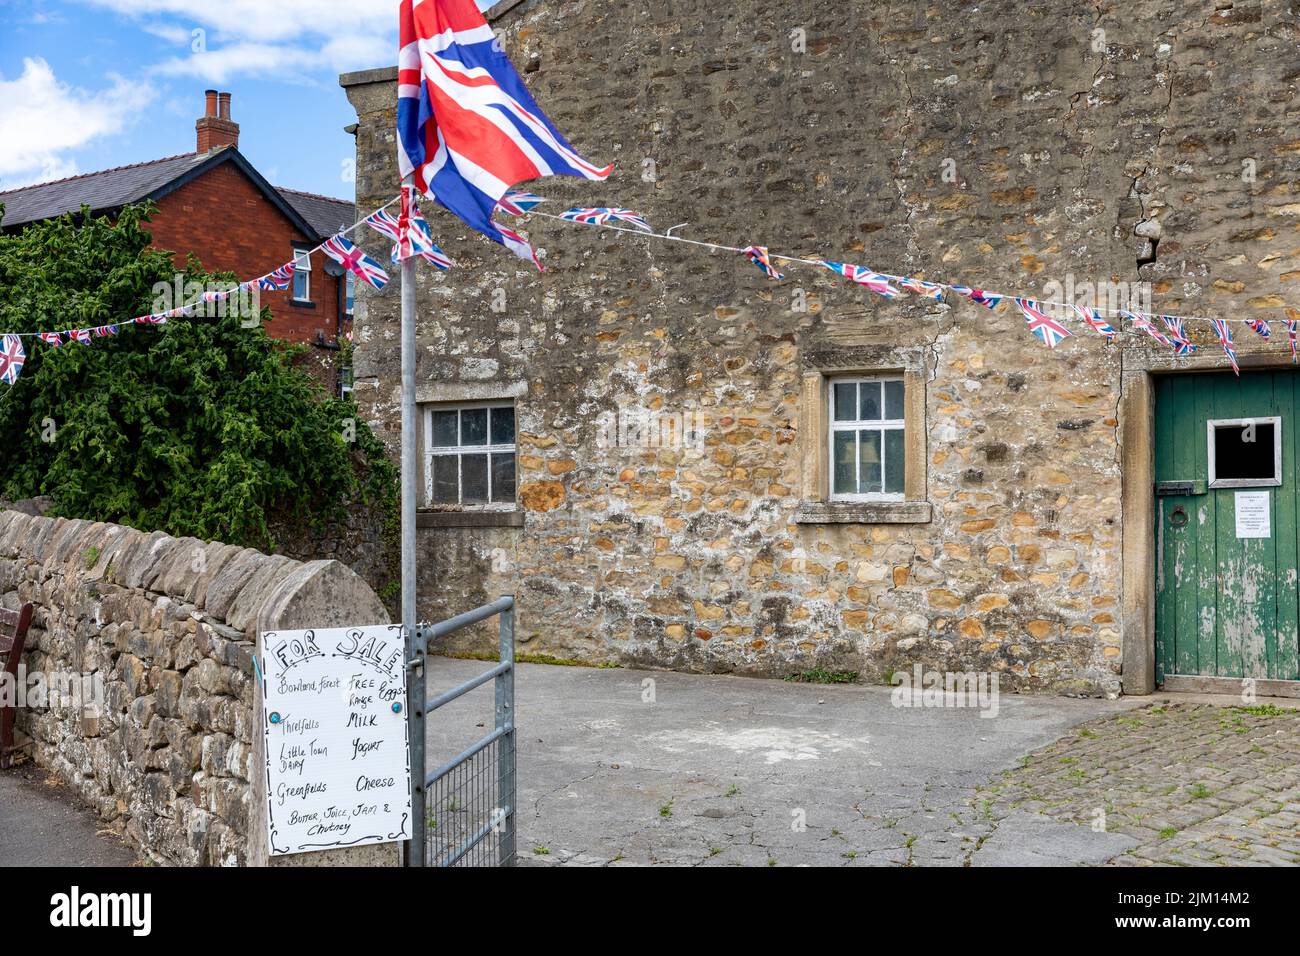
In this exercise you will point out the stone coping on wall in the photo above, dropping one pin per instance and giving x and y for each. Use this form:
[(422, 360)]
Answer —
[(169, 628)]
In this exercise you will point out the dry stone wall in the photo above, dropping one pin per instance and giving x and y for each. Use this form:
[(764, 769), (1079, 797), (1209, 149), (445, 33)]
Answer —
[(167, 628)]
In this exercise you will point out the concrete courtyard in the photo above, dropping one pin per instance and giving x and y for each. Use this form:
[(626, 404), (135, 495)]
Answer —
[(636, 767)]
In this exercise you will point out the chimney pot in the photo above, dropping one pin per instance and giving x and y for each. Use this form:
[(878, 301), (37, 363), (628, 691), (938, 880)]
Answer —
[(216, 129)]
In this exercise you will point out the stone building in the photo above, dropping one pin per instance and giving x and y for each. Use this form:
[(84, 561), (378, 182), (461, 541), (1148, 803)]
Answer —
[(643, 442)]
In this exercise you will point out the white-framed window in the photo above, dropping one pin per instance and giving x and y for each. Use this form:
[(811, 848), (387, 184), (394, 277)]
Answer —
[(866, 438), (470, 454), (1245, 452), (301, 275), (350, 293)]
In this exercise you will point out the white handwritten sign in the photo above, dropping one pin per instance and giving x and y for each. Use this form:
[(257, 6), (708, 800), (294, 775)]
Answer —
[(1252, 514), (338, 770)]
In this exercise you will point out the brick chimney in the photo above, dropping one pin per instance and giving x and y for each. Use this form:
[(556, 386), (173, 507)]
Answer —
[(215, 128)]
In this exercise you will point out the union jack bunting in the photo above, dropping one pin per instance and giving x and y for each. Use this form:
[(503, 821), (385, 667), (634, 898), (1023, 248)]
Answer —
[(215, 295), (987, 299), (52, 339), (1144, 323), (1048, 330), (354, 260), (433, 255), (519, 246), (78, 335), (408, 236), (758, 256), (874, 281), (420, 239), (151, 320), (384, 223), (1291, 337), (278, 279), (1182, 344), (1225, 339), (103, 331), (921, 287), (12, 358), (518, 203), (1260, 326), (1095, 321), (467, 127), (599, 215)]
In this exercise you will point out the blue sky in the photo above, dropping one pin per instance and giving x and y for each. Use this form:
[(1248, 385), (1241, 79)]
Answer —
[(89, 84)]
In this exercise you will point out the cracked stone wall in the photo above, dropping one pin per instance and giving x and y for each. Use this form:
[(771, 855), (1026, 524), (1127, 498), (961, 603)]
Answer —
[(1034, 147), (168, 626)]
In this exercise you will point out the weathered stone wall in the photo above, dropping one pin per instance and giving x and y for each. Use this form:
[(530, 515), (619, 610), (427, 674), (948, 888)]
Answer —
[(169, 626), (1018, 146)]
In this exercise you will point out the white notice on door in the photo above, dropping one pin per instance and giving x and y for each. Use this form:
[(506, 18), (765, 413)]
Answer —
[(1252, 514)]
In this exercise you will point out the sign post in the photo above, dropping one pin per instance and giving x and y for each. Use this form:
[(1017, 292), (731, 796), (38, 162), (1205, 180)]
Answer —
[(413, 642)]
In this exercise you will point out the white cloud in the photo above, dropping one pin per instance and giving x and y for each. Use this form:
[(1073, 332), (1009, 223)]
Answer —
[(242, 59), (42, 120), (170, 32), (272, 60), (253, 37), (262, 21)]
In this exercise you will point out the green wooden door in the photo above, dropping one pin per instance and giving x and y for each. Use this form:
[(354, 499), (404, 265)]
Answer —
[(1226, 539)]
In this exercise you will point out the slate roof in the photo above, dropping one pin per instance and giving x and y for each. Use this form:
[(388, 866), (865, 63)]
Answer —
[(111, 189), (327, 216), (107, 189)]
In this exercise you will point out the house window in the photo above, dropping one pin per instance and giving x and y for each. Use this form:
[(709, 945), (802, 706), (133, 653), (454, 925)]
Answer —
[(469, 454), (867, 450), (302, 275), (351, 293), (1245, 452)]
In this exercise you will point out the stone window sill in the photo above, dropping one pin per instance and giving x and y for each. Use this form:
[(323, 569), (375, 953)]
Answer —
[(512, 518), (864, 512)]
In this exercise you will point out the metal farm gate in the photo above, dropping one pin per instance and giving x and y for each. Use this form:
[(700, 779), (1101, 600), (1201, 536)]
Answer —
[(468, 803)]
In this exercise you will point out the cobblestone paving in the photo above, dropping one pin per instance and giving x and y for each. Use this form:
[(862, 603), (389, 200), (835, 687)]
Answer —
[(1193, 784)]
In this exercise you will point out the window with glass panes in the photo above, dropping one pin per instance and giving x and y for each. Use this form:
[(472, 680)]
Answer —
[(302, 275), (470, 455), (866, 438)]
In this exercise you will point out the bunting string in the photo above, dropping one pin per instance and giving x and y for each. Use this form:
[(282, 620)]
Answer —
[(278, 279), (412, 237), (1048, 328)]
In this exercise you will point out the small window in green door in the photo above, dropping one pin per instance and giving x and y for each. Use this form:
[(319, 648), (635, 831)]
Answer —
[(1245, 452)]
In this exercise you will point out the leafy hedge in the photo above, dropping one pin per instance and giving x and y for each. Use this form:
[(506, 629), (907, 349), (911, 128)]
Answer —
[(197, 427)]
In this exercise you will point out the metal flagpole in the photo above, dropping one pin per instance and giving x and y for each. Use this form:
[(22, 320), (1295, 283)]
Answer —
[(415, 646)]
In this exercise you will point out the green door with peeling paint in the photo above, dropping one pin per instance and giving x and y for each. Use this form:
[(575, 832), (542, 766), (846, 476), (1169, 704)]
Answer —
[(1226, 541)]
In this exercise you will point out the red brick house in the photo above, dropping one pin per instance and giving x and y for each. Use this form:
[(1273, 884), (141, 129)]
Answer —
[(214, 204)]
